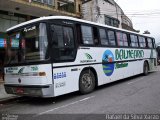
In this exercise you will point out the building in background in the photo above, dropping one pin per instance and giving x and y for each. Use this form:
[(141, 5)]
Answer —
[(13, 12), (106, 12)]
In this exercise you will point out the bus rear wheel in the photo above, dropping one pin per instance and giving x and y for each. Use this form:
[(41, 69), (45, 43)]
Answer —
[(86, 82), (145, 68)]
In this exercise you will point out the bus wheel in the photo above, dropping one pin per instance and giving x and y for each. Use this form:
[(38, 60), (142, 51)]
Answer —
[(86, 82), (145, 68)]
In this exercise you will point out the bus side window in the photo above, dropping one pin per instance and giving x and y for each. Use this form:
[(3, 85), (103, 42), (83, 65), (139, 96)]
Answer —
[(134, 41), (103, 37), (149, 43), (111, 37), (87, 35), (142, 42), (122, 39)]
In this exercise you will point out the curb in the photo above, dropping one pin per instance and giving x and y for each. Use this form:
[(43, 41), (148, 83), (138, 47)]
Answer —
[(9, 99)]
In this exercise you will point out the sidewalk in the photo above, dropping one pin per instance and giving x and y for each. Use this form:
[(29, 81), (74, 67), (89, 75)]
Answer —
[(4, 97)]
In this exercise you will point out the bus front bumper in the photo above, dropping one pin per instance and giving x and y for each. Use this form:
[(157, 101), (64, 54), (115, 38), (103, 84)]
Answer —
[(30, 90)]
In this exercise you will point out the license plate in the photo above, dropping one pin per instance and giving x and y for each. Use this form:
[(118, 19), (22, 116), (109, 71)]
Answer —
[(20, 90)]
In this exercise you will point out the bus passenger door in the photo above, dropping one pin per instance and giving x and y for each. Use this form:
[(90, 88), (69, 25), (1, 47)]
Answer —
[(63, 56)]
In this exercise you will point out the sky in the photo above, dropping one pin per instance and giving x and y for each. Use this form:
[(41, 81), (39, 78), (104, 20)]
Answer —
[(145, 15)]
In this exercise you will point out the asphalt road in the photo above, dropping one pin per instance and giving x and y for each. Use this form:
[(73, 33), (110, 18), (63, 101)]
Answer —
[(136, 95)]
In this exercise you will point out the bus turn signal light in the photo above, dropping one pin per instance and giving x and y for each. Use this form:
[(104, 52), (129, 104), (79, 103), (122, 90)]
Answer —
[(42, 74)]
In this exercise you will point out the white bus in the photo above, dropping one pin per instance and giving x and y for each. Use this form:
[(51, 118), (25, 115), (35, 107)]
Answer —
[(56, 55)]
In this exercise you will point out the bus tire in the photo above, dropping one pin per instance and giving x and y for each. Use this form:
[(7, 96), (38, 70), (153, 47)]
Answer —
[(145, 68), (86, 82)]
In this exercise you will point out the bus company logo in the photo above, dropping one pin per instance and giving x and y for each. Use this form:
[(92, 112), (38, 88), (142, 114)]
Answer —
[(21, 70), (88, 57), (34, 68), (29, 29), (107, 63)]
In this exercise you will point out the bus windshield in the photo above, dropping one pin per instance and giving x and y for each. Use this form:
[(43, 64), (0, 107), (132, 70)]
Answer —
[(28, 45)]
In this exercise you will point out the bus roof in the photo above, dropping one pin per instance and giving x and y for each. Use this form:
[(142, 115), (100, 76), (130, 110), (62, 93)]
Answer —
[(70, 18)]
